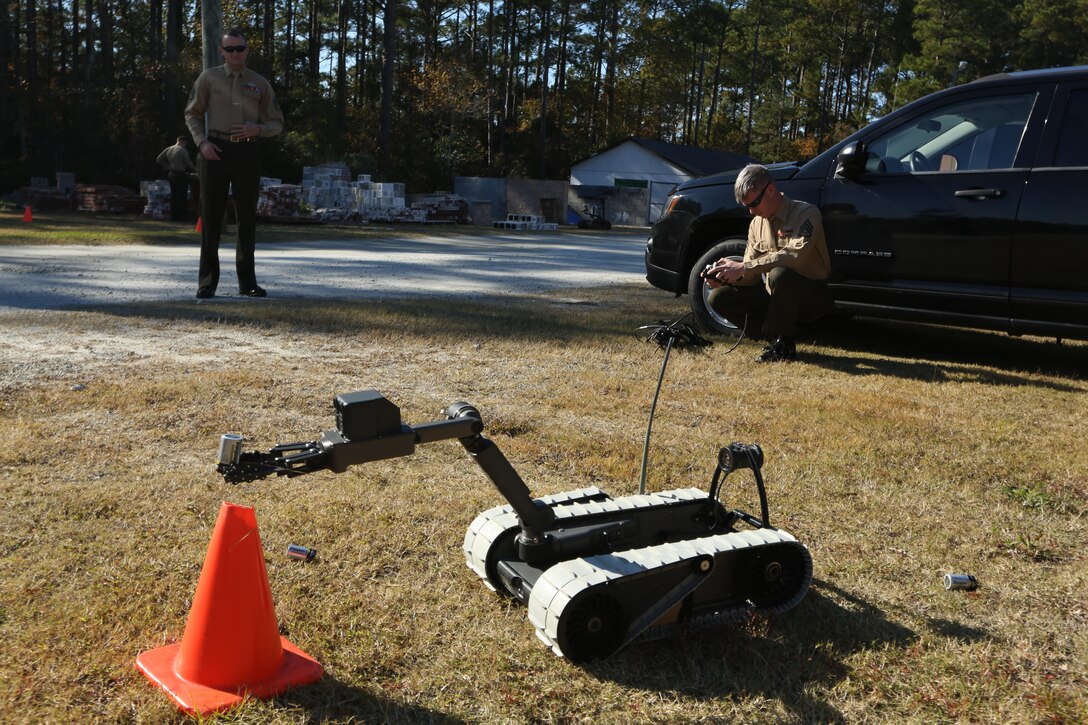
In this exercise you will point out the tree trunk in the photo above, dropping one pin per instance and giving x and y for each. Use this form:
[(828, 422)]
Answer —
[(173, 39), (5, 63), (389, 48), (31, 107), (611, 61), (155, 49), (211, 18), (342, 63), (545, 60), (314, 42), (268, 36)]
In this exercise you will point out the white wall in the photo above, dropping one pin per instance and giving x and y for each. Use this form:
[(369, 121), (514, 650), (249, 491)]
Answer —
[(626, 161)]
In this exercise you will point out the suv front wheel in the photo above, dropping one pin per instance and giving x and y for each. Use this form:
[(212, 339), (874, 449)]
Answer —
[(708, 319)]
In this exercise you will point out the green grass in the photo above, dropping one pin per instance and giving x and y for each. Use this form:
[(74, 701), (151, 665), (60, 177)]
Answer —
[(73, 227), (896, 453)]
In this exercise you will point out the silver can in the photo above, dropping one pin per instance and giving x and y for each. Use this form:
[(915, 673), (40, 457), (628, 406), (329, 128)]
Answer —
[(230, 448), (965, 582), (305, 553)]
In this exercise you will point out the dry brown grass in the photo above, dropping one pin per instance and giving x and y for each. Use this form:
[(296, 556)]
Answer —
[(896, 453), (75, 227)]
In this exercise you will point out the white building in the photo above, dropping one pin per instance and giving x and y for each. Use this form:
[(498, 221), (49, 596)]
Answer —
[(656, 166)]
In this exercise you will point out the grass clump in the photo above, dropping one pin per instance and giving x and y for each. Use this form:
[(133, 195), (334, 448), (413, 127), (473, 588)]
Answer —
[(896, 453)]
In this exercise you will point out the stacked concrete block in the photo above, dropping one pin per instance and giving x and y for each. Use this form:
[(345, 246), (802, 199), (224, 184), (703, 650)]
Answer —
[(525, 222), (40, 195), (66, 181), (323, 187), (158, 198), (333, 196), (385, 201)]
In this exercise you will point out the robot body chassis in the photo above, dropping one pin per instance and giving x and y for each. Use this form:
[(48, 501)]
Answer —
[(595, 572)]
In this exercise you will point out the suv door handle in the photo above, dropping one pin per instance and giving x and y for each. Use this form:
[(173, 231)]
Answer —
[(981, 193)]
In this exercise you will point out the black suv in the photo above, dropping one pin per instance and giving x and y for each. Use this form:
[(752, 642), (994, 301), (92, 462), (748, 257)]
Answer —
[(967, 207)]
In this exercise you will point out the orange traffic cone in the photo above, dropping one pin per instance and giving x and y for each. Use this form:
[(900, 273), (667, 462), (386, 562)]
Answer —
[(231, 647), (199, 224), (28, 216)]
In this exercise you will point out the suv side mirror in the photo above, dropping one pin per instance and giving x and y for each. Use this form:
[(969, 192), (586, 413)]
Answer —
[(851, 160)]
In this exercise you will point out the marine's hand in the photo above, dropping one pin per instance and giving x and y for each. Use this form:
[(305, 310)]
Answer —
[(245, 130), (727, 271), (710, 275), (724, 271), (209, 150)]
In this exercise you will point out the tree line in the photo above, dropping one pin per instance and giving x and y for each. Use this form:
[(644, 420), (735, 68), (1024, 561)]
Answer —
[(421, 91)]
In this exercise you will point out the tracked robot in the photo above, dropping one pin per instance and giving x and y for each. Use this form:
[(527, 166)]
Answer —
[(595, 572)]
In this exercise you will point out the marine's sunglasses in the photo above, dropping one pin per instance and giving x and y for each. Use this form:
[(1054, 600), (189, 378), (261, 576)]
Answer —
[(234, 48), (759, 199)]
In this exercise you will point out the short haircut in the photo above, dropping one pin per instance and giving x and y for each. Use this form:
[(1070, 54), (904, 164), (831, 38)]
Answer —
[(234, 32), (751, 177)]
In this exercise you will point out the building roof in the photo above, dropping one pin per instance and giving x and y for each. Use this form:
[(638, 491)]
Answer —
[(695, 161)]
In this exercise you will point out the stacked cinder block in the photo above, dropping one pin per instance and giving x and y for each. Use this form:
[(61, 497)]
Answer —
[(384, 201), (158, 199), (523, 222), (325, 189)]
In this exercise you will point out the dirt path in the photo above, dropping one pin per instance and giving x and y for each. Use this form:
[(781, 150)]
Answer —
[(52, 331)]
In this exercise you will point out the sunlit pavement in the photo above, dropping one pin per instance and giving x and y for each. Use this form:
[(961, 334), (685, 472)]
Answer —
[(59, 277)]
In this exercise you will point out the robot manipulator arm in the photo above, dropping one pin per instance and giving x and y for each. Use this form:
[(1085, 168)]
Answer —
[(288, 459), (329, 452), (368, 428)]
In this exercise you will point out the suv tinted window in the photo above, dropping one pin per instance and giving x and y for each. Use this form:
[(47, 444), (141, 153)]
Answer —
[(971, 135), (1073, 143)]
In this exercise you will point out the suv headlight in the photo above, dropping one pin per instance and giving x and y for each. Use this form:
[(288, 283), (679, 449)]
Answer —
[(670, 204)]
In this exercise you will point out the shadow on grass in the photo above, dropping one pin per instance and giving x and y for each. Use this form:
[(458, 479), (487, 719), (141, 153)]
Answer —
[(331, 700), (856, 346), (804, 647), (569, 318), (939, 354)]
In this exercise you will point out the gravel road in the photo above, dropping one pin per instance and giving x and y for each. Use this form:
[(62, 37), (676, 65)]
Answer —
[(65, 277)]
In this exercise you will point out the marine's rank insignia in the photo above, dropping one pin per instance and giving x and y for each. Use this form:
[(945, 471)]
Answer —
[(806, 229)]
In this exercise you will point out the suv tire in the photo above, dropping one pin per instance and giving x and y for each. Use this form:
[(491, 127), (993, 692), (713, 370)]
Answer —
[(698, 291)]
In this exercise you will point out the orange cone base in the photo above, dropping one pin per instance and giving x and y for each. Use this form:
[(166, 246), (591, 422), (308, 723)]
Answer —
[(296, 668)]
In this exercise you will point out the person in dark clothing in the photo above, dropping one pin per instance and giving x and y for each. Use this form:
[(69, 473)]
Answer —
[(230, 107), (177, 164)]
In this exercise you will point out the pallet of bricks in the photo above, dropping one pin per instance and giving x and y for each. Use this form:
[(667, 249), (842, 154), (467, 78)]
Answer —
[(442, 207), (280, 202), (109, 199), (523, 222)]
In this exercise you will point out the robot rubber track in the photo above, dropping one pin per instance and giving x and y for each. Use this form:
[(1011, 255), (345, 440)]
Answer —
[(596, 573), (591, 607)]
